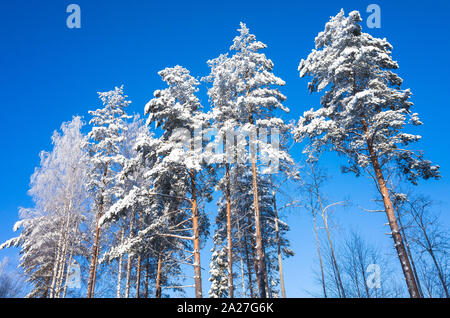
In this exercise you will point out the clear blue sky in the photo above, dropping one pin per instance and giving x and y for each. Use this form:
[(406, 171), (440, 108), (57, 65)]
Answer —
[(49, 73)]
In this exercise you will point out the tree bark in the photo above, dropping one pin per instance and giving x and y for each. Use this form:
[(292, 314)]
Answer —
[(249, 267), (93, 269), (130, 260), (261, 266), (398, 242), (95, 252), (138, 276), (195, 226), (147, 278), (158, 276)]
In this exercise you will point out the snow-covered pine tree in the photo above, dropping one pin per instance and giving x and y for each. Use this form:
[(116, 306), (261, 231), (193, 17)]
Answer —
[(179, 174), (51, 236), (363, 112), (244, 95), (221, 95), (218, 270), (126, 216), (106, 160)]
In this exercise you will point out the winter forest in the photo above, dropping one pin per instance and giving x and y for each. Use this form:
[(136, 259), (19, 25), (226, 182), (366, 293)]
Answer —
[(132, 205)]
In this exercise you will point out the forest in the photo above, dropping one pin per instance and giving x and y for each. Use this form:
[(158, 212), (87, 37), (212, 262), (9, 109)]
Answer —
[(123, 204)]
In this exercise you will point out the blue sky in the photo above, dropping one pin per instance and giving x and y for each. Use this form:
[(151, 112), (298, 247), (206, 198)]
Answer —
[(49, 73)]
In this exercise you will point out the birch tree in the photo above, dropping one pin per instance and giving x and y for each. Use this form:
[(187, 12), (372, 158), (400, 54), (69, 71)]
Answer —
[(51, 236)]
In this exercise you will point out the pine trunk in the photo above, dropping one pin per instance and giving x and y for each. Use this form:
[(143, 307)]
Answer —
[(261, 266), (95, 249), (249, 267), (398, 242), (195, 226), (138, 276), (147, 278), (158, 276), (93, 269)]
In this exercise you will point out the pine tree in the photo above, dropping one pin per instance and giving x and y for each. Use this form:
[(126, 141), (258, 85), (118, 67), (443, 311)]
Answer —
[(218, 270), (106, 160), (363, 113), (244, 96), (178, 172)]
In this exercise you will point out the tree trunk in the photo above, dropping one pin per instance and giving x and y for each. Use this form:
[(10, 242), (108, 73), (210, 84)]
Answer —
[(158, 276), (147, 278), (229, 238), (436, 264), (138, 276), (398, 242), (260, 259), (92, 272), (95, 252), (330, 242), (128, 282), (130, 260), (195, 227)]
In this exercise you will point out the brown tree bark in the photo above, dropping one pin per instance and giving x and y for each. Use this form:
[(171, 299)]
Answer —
[(95, 249), (195, 226), (147, 278), (260, 259), (398, 242), (138, 276), (158, 276)]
